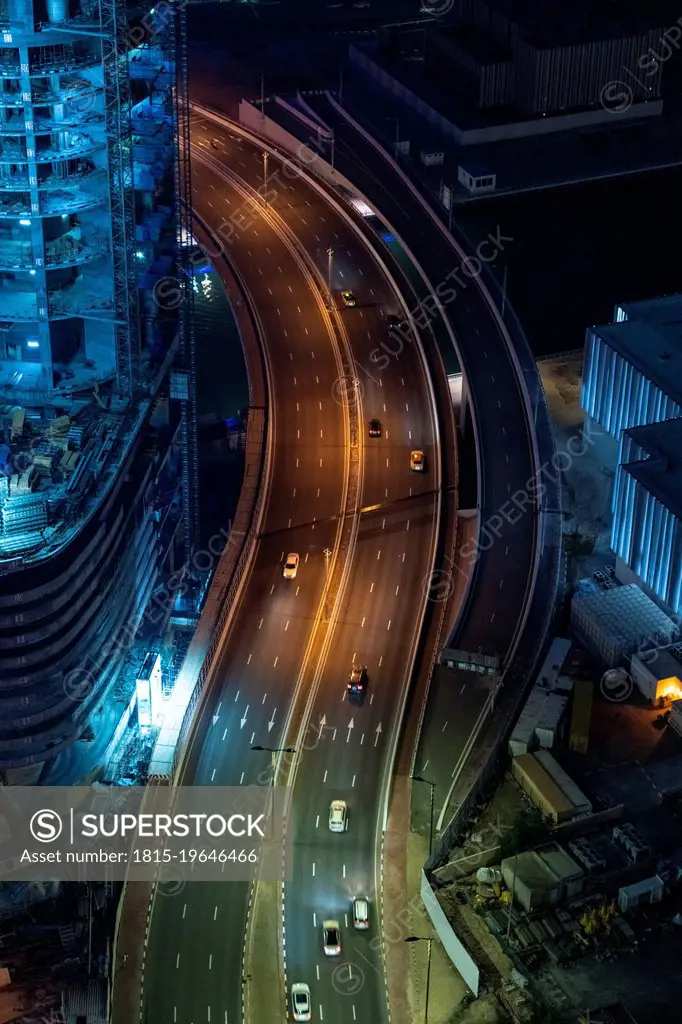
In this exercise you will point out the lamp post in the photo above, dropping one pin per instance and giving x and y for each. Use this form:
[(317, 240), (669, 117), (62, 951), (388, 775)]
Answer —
[(424, 938), (432, 787), (330, 263), (273, 751), (327, 555), (265, 177)]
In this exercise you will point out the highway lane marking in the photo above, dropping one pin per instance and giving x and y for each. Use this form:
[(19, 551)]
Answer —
[(209, 1014), (279, 313), (213, 775), (387, 435), (501, 582), (297, 463), (291, 356), (444, 727), (275, 662), (407, 408), (297, 590), (345, 920), (294, 494), (353, 786), (271, 723), (261, 621), (313, 869), (295, 382), (344, 870), (350, 727), (383, 524), (384, 407), (378, 554), (492, 378), (321, 1014), (325, 777), (506, 550), (241, 780), (397, 589), (215, 912), (492, 616), (236, 696), (288, 620), (264, 698), (253, 736), (506, 455), (321, 434), (184, 911), (306, 331), (379, 730), (289, 524), (333, 738), (363, 621), (403, 558), (353, 1009), (243, 719), (504, 431), (387, 462), (317, 380), (306, 556), (463, 689), (499, 404), (371, 587), (318, 489), (320, 462), (272, 590), (318, 238), (175, 1013), (387, 492), (248, 660), (317, 821), (408, 525), (270, 289), (320, 404), (260, 271), (177, 961), (389, 623), (402, 381), (317, 968), (224, 735), (314, 920), (210, 961), (380, 660)]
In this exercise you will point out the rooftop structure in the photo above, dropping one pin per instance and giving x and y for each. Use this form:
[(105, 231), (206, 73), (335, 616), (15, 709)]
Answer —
[(542, 877), (615, 623), (97, 452), (632, 370)]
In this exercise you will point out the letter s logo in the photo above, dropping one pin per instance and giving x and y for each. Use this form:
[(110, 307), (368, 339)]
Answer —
[(46, 826)]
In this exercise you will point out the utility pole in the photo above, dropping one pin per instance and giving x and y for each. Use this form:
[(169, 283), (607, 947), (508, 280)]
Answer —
[(265, 177), (327, 555)]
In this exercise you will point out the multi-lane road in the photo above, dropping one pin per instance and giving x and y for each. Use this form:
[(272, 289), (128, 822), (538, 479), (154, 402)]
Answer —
[(193, 971)]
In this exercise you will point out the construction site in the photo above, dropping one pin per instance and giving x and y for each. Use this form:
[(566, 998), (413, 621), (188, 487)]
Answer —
[(575, 864)]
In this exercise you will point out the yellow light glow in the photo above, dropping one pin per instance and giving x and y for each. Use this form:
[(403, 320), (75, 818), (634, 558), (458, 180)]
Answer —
[(671, 687)]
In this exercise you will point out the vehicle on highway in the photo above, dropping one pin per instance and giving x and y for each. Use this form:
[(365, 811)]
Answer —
[(395, 323), (291, 566), (338, 816), (417, 462), (215, 143), (331, 938), (374, 428), (349, 299), (357, 684), (360, 913), (300, 1001)]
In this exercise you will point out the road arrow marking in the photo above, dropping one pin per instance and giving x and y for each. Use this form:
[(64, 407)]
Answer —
[(323, 722), (215, 718), (350, 727), (243, 721), (272, 720), (379, 731)]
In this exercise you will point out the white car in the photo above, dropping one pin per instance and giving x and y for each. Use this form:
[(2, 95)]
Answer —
[(300, 1001), (291, 566), (417, 461), (360, 912), (338, 816), (349, 299)]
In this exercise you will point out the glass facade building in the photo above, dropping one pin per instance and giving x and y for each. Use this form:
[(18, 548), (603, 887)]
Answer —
[(647, 508), (97, 436)]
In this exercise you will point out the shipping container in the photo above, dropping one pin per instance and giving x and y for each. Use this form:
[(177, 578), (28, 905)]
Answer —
[(581, 716), (565, 782), (548, 729), (614, 623), (547, 796), (553, 663)]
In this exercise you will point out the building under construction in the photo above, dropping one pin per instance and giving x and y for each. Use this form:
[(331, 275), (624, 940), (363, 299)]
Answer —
[(98, 496)]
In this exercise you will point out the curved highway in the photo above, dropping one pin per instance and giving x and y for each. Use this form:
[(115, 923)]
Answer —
[(196, 934)]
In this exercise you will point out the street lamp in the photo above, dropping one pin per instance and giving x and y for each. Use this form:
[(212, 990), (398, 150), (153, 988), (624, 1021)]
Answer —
[(432, 786), (265, 177), (273, 751), (330, 262), (327, 555), (424, 938)]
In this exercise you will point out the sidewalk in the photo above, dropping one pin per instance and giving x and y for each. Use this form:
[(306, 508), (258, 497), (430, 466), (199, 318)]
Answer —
[(130, 950)]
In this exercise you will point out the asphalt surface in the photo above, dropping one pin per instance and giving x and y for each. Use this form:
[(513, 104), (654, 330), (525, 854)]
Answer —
[(194, 961), (502, 561)]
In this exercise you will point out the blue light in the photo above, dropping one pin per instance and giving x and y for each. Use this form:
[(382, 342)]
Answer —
[(33, 344), (388, 238)]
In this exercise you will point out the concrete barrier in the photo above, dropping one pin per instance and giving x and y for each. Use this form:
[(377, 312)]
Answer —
[(458, 953)]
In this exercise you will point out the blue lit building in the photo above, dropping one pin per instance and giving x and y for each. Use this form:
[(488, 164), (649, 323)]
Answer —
[(97, 435), (647, 507), (632, 369)]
